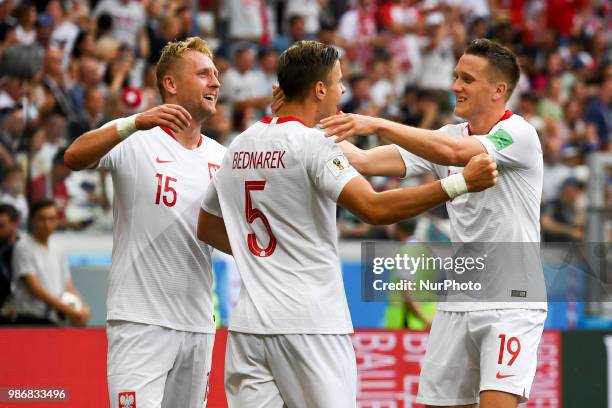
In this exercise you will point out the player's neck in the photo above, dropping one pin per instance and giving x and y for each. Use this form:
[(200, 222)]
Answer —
[(483, 123), (306, 112), (189, 138)]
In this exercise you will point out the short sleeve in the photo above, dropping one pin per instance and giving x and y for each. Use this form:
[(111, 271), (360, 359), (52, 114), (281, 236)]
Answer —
[(415, 165), (210, 202), (23, 262), (327, 166), (513, 146)]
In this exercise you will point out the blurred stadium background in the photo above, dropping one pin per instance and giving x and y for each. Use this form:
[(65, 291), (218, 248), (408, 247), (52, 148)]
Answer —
[(70, 66)]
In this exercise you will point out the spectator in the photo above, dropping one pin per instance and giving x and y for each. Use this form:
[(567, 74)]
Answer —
[(550, 106), (13, 191), (11, 130), (381, 89), (240, 82), (26, 15), (9, 220), (404, 22), (361, 99), (555, 171), (42, 276), (55, 88), (65, 32), (310, 10), (358, 33), (89, 75), (563, 218), (296, 32), (443, 39), (128, 23), (599, 114), (265, 74)]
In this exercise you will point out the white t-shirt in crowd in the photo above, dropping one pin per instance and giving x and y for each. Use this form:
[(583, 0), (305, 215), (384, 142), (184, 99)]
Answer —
[(161, 273), (277, 191), (45, 263)]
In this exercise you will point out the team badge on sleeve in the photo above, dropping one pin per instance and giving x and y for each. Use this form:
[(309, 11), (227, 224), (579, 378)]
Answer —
[(337, 165), (501, 139), (127, 399)]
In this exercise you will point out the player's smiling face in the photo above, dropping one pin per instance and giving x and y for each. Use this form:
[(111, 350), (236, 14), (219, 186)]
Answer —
[(335, 89), (473, 86), (198, 84)]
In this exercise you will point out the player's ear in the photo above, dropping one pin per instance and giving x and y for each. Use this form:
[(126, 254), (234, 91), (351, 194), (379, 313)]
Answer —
[(320, 90), (501, 89), (169, 85)]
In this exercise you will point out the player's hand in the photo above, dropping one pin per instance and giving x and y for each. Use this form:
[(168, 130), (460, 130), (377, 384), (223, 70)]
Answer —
[(174, 117), (480, 173), (345, 125), (278, 98)]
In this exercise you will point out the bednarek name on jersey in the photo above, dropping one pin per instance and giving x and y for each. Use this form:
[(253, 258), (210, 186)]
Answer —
[(258, 160)]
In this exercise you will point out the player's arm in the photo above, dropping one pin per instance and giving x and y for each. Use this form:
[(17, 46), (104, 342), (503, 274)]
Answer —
[(428, 144), (391, 206), (211, 229), (87, 150), (379, 161)]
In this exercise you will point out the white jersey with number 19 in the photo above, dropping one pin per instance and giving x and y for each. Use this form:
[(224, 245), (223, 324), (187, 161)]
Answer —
[(161, 273), (276, 191)]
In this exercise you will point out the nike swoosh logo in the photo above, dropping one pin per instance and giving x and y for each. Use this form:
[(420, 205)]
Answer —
[(502, 376), (158, 160)]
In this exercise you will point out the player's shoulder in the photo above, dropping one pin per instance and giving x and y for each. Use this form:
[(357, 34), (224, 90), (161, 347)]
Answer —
[(518, 123), (213, 147)]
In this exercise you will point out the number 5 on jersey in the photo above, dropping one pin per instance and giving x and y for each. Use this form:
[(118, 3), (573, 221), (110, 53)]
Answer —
[(169, 195), (251, 215)]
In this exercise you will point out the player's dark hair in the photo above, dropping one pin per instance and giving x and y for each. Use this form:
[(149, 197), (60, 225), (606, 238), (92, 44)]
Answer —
[(500, 58), (304, 64), (10, 211)]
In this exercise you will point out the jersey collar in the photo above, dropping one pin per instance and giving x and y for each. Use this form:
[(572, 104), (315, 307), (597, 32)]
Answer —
[(505, 116), (268, 119), (169, 132)]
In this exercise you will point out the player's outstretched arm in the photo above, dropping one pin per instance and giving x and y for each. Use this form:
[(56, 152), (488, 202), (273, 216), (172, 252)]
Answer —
[(395, 205), (428, 144), (379, 161), (89, 148), (211, 229)]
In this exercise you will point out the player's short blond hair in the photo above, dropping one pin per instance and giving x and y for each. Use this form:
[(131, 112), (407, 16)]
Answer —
[(172, 52)]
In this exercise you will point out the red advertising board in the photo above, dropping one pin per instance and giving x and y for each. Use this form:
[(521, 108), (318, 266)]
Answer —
[(388, 364)]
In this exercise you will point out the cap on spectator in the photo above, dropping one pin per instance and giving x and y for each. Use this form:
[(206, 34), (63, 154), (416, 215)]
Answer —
[(132, 100)]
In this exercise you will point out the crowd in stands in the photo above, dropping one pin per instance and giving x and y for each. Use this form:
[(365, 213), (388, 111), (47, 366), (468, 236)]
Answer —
[(69, 66)]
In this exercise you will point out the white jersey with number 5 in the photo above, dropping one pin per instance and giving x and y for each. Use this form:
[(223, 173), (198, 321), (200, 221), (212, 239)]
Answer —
[(161, 273), (276, 191)]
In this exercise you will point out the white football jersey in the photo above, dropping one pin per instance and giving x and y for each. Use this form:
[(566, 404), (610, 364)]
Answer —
[(509, 212), (161, 273), (276, 191)]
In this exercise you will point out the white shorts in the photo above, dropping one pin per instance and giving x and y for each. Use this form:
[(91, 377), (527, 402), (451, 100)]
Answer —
[(156, 367), (470, 352), (293, 370)]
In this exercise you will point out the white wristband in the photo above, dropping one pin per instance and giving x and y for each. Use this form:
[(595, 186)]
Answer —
[(454, 185), (126, 126)]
